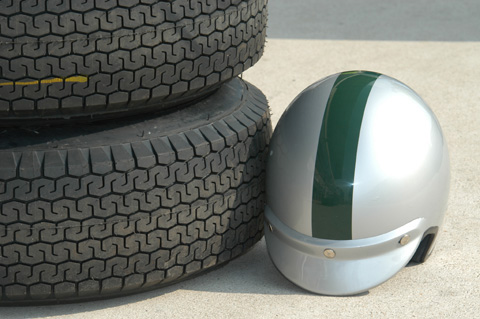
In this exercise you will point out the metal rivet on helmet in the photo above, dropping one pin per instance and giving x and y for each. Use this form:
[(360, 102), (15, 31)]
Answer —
[(329, 253), (405, 239)]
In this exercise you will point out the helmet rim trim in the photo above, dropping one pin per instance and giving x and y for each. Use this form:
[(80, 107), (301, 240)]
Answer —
[(358, 266)]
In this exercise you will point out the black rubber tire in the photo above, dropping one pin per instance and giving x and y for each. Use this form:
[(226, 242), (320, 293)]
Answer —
[(91, 211), (62, 59)]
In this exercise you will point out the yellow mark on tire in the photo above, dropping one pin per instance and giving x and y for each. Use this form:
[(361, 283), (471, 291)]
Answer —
[(78, 79)]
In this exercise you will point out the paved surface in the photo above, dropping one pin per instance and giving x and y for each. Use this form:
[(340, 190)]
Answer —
[(407, 20), (444, 68)]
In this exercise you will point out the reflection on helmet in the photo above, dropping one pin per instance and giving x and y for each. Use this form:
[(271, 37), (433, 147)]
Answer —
[(357, 162)]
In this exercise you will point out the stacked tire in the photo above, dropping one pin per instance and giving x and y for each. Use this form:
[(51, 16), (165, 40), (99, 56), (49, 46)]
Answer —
[(132, 155)]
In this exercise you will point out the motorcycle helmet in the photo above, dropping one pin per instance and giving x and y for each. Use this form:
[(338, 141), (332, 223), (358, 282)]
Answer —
[(357, 183)]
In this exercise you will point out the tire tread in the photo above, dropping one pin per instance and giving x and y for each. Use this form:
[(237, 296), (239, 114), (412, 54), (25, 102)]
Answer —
[(133, 54), (108, 220)]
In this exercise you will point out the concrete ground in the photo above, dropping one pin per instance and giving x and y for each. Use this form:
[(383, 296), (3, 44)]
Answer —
[(434, 47)]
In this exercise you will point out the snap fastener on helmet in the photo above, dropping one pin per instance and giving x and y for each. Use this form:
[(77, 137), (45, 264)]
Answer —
[(329, 253), (405, 239), (359, 171)]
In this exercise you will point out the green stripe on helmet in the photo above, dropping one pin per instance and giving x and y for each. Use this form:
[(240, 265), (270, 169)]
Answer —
[(336, 155)]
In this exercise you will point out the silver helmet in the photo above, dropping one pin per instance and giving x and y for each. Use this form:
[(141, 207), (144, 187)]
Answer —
[(357, 183)]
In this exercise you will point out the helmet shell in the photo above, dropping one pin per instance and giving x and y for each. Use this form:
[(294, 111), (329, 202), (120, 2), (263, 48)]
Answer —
[(357, 155)]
